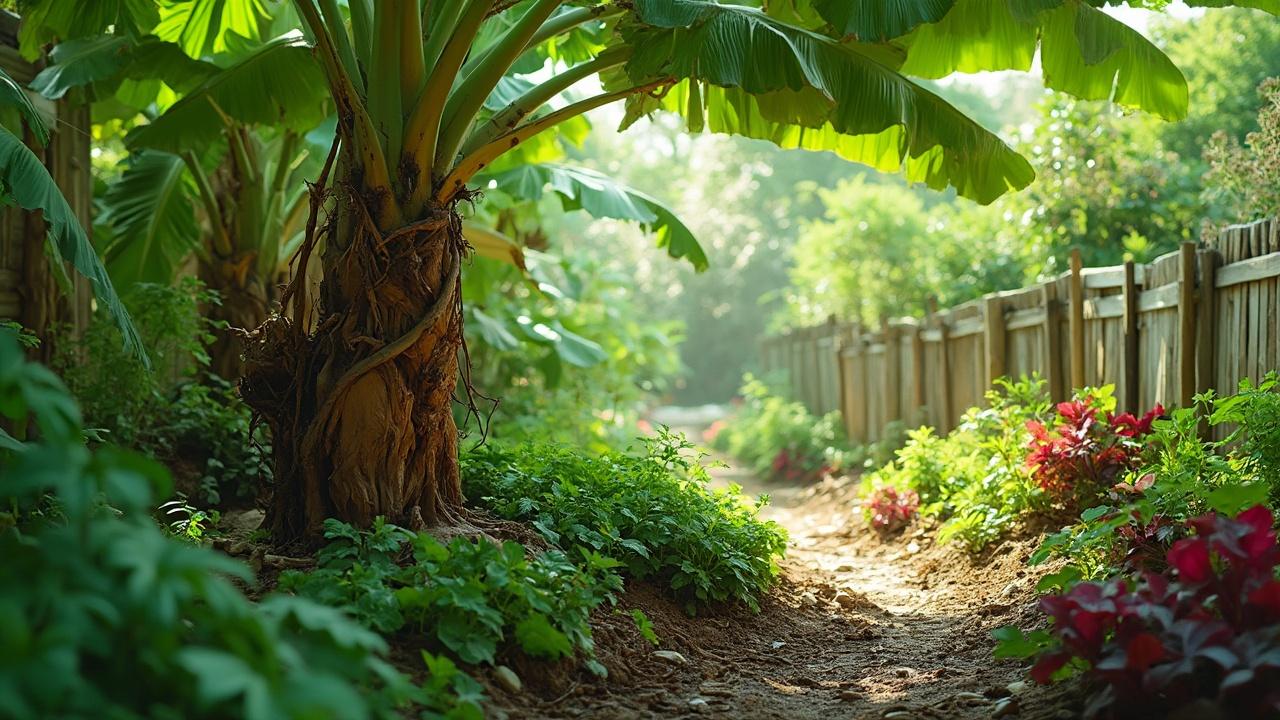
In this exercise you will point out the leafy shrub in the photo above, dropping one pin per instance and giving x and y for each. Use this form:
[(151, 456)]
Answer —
[(1255, 412), (778, 437), (1178, 476), (1083, 456), (106, 616), (470, 597), (890, 509), (975, 479), (1206, 632), (175, 409), (652, 511)]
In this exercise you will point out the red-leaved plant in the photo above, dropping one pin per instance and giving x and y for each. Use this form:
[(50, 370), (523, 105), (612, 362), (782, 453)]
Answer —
[(1206, 633), (795, 466), (889, 509), (1085, 454)]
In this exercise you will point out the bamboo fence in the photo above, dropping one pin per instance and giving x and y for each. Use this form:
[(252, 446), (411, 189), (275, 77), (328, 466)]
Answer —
[(1194, 319)]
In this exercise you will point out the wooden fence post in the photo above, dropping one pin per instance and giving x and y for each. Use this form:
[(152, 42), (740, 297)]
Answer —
[(994, 338), (1186, 324), (944, 375), (1077, 323), (1052, 340), (917, 374), (1206, 310), (892, 371), (1130, 397)]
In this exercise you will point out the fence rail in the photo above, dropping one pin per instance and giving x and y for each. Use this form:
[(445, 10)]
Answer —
[(1193, 319)]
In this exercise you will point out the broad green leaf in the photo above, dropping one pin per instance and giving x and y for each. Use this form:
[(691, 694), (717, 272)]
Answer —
[(878, 20), (1084, 51), (79, 62), (150, 208), (12, 95), (602, 197), (48, 20), (749, 74), (492, 330), (539, 638), (201, 27), (89, 60), (279, 85), (26, 181), (493, 244)]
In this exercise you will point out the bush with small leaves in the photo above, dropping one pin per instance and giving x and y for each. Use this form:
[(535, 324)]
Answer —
[(652, 510)]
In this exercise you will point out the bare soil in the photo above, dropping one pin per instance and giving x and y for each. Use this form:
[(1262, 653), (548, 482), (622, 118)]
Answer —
[(858, 626)]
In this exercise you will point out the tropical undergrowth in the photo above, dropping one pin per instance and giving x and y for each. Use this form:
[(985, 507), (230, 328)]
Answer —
[(87, 572), (974, 480), (472, 599), (778, 437), (1165, 593), (651, 509), (175, 410)]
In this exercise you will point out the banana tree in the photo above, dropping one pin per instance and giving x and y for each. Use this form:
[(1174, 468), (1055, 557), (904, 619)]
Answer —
[(360, 408)]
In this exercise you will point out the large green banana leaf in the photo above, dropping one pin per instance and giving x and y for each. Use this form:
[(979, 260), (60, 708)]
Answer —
[(113, 58), (279, 85), (750, 74), (25, 181), (203, 27), (150, 208), (602, 197)]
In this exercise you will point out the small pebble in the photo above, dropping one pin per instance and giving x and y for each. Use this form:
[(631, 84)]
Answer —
[(844, 568), (850, 695), (913, 547), (898, 715), (808, 598), (670, 656), (699, 705), (1005, 708), (508, 679), (902, 672), (777, 644), (1016, 687)]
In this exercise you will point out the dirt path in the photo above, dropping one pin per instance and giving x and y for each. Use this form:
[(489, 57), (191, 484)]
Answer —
[(858, 627)]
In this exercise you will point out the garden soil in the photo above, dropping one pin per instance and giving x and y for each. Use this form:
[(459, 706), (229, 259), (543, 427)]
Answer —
[(858, 626)]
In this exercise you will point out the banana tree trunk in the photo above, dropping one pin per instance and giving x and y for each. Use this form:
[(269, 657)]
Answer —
[(245, 298), (360, 409)]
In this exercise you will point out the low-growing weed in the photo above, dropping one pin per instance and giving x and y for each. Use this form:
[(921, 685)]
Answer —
[(653, 510), (890, 509), (472, 598)]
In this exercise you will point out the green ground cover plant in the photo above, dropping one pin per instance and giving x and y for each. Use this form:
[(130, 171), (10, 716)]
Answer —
[(975, 480), (654, 510), (472, 598), (105, 615)]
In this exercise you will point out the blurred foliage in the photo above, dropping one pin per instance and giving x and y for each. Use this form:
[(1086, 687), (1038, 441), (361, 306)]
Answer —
[(175, 411), (777, 436), (107, 616), (1244, 178)]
